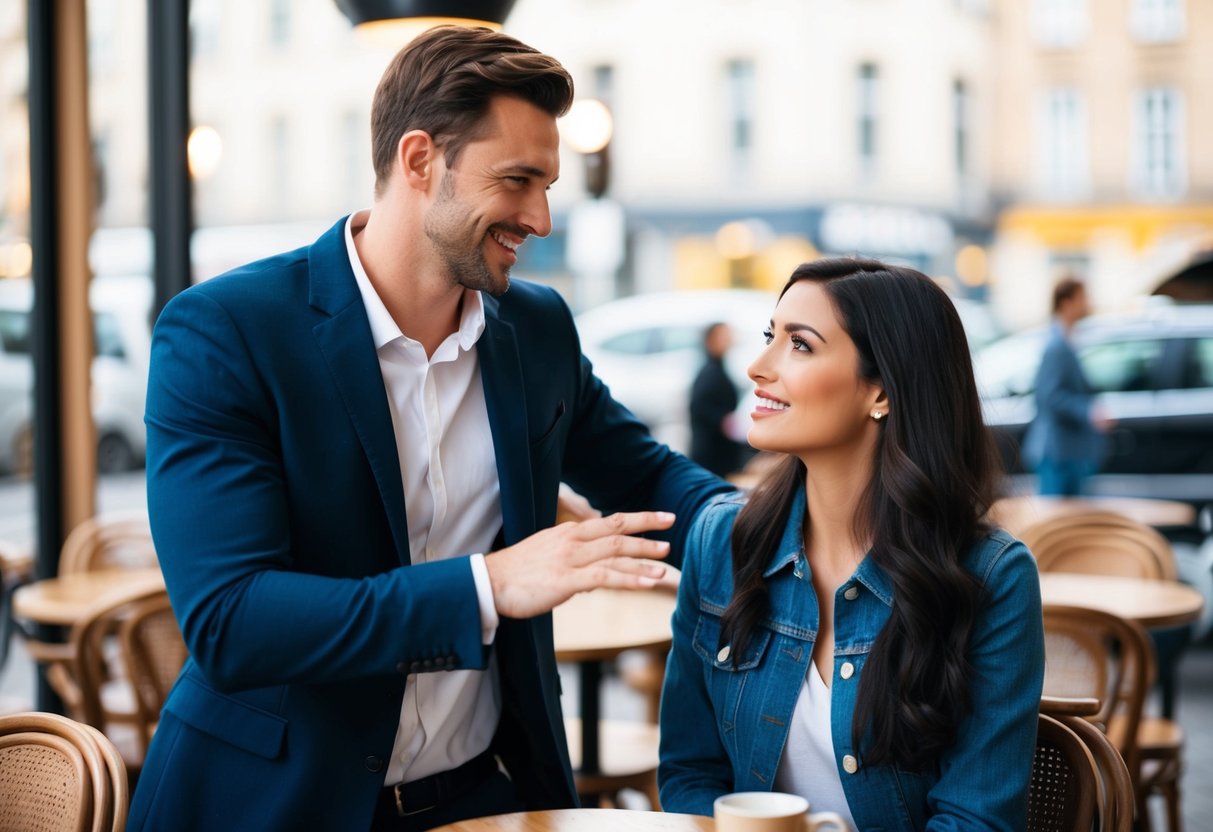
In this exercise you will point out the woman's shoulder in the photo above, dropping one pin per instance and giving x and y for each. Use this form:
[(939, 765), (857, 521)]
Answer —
[(997, 550)]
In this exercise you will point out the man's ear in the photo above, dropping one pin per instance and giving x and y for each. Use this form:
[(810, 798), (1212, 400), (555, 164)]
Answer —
[(416, 158)]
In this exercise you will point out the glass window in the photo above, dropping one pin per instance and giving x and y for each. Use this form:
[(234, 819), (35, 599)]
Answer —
[(1059, 23), (1199, 369), (1154, 21), (681, 338), (1063, 168), (1159, 163), (14, 332), (280, 22), (636, 342), (866, 109), (740, 98), (1122, 366), (107, 336), (961, 127)]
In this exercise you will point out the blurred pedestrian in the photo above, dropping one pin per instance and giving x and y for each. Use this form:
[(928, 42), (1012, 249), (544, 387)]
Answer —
[(856, 633), (354, 455), (713, 400), (1065, 441)]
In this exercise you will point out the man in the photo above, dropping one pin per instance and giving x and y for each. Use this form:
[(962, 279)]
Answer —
[(1065, 441), (713, 399), (338, 435)]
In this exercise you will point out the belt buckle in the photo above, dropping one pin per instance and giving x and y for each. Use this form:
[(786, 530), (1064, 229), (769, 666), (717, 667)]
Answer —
[(400, 810)]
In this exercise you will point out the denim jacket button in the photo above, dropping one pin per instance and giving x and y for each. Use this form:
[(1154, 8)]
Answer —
[(849, 764), (851, 593), (723, 655), (847, 670)]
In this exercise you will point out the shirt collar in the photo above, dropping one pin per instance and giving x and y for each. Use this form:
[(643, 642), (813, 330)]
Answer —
[(384, 329)]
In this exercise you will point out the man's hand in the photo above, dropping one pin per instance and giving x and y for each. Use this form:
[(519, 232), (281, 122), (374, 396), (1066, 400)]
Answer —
[(549, 567)]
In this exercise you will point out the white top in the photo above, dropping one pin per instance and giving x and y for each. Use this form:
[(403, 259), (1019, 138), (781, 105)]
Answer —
[(441, 424), (808, 767)]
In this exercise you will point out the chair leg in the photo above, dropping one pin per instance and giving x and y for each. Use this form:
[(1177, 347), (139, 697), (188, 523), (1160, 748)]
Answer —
[(1170, 793)]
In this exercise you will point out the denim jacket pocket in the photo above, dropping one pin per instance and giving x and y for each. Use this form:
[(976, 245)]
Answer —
[(726, 681)]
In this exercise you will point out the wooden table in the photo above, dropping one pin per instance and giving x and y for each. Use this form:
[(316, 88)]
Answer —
[(1018, 513), (585, 820), (1150, 603), (597, 626), (62, 601)]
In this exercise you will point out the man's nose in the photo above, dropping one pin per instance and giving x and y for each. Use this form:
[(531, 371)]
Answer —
[(538, 217)]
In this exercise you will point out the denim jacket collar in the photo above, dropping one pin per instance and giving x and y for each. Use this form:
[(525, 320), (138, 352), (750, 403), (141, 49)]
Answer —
[(791, 549)]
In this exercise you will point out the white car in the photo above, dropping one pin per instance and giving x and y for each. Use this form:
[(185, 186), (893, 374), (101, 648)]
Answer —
[(122, 343), (647, 349)]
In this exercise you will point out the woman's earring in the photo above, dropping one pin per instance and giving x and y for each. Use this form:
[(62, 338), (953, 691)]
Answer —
[(877, 415)]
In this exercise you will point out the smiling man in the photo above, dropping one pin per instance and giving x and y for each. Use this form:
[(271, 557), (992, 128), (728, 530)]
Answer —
[(354, 454)]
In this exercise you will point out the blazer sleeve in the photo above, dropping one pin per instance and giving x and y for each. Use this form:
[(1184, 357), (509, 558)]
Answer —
[(218, 500), (1060, 389)]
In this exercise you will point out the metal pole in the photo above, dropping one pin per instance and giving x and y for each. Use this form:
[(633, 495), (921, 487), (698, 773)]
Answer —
[(172, 219)]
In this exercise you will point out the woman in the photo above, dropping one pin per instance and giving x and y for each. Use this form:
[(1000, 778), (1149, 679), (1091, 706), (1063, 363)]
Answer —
[(855, 632)]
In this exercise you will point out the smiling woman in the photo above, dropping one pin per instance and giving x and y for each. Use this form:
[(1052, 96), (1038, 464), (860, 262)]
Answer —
[(856, 614)]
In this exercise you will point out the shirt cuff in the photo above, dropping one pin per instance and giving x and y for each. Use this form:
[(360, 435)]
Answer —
[(484, 594)]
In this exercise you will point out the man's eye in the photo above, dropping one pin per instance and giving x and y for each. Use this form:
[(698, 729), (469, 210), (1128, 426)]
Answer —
[(517, 180)]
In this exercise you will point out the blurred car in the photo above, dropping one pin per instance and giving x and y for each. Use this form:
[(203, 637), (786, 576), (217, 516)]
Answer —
[(647, 349), (122, 343), (1153, 373)]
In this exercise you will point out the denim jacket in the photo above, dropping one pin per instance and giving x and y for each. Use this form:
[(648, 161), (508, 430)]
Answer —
[(723, 727)]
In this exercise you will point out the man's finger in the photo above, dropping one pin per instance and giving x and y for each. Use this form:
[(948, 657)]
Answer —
[(625, 523)]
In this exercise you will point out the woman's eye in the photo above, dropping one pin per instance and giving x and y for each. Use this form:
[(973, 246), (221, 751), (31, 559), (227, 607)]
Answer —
[(799, 343), (767, 336)]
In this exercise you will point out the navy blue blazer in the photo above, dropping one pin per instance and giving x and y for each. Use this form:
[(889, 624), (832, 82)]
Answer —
[(278, 516), (1062, 429)]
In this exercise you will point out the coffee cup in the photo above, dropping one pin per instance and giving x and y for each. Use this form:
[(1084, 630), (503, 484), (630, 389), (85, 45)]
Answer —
[(771, 812)]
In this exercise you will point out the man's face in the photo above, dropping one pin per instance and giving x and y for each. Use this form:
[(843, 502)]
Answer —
[(495, 196)]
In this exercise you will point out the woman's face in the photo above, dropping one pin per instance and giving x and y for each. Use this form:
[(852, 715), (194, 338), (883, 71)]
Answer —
[(810, 394)]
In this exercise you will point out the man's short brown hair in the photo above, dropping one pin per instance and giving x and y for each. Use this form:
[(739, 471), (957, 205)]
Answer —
[(444, 81), (1064, 289)]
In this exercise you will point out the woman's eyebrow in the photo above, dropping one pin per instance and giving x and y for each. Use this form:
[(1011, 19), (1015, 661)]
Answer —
[(795, 327)]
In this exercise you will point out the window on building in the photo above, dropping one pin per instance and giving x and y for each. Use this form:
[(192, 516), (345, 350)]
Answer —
[(1153, 21), (204, 28), (867, 104), (280, 22), (102, 25), (1059, 23), (740, 98), (961, 127), (1159, 164), (279, 165), (354, 145), (1063, 166), (604, 84)]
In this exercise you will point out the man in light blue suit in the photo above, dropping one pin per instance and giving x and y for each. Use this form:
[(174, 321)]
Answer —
[(354, 453), (1065, 441)]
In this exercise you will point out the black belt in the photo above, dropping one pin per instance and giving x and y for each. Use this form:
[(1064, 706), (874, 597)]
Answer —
[(428, 792)]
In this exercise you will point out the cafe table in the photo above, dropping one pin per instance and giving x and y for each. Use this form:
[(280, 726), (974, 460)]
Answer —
[(1015, 514), (1150, 603), (585, 820), (62, 601), (593, 627)]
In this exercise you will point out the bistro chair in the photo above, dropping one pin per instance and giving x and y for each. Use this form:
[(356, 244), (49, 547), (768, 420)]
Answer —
[(153, 653), (16, 567), (109, 541), (1115, 801), (1100, 543), (628, 755), (1064, 790), (58, 775)]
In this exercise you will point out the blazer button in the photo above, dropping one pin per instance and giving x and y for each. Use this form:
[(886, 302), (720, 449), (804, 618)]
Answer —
[(852, 592), (847, 670), (723, 655), (849, 764), (373, 763)]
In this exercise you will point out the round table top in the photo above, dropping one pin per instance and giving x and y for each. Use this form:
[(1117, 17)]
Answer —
[(1150, 603), (599, 625), (1018, 513), (63, 600), (585, 820)]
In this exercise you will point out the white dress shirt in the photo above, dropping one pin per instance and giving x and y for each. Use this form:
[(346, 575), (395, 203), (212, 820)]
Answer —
[(453, 504)]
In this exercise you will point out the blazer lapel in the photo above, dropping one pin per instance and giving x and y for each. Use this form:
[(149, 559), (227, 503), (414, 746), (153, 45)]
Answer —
[(504, 395), (348, 348)]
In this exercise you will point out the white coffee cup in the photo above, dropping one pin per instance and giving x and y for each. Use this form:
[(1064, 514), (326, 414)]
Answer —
[(771, 812)]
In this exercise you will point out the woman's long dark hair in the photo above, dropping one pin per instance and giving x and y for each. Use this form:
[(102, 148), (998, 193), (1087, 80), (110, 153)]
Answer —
[(933, 478)]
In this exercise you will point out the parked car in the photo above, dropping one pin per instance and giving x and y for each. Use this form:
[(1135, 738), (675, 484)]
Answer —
[(1153, 373), (647, 349), (122, 343)]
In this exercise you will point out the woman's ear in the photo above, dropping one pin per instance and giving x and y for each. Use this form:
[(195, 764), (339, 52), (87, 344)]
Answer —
[(416, 158), (878, 403)]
